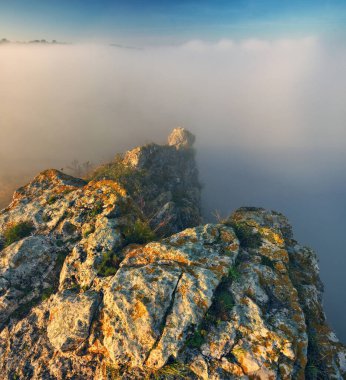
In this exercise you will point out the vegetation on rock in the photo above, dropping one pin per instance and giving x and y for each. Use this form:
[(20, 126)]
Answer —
[(17, 231), (129, 177), (233, 273), (196, 304), (97, 209), (248, 238), (109, 264), (138, 233), (173, 371)]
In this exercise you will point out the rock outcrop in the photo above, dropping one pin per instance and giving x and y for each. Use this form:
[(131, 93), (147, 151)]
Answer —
[(110, 278), (163, 181), (181, 138)]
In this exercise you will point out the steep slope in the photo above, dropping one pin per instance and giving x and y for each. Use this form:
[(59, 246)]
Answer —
[(162, 180), (113, 278)]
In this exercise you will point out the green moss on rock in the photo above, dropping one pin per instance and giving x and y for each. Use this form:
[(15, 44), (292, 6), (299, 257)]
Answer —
[(18, 231), (139, 233), (248, 238)]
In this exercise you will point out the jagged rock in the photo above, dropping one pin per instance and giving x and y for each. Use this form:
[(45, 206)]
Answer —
[(80, 267), (181, 138), (71, 220), (163, 182), (319, 353), (180, 274), (325, 352), (264, 334), (26, 269), (83, 295)]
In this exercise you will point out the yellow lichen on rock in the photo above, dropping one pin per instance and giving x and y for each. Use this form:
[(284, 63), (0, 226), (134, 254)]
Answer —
[(84, 295)]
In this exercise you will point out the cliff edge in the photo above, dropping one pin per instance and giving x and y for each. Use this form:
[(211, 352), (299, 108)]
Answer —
[(116, 277)]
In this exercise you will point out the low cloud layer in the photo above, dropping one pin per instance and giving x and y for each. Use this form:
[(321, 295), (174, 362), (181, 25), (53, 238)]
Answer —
[(269, 116)]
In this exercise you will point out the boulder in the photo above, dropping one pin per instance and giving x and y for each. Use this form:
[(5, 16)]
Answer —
[(181, 138)]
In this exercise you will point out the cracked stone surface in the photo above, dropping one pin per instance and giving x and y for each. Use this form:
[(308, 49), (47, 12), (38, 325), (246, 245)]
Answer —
[(80, 299), (70, 318)]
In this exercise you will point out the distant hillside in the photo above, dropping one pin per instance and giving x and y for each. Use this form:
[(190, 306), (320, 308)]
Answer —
[(5, 41)]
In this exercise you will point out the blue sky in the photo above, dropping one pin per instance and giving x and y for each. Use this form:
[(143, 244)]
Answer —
[(168, 21)]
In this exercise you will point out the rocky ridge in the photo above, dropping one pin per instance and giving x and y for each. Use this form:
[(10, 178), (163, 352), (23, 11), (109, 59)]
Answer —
[(115, 277)]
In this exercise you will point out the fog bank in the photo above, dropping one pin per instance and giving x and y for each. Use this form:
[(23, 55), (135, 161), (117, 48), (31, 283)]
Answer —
[(269, 116)]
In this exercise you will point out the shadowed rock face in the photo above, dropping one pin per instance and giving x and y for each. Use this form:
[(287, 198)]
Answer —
[(81, 299), (163, 181)]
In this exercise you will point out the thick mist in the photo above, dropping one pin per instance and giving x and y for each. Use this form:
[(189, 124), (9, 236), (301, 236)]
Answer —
[(269, 116)]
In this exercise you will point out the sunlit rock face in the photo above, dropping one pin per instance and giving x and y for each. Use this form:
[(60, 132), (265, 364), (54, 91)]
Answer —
[(90, 288), (181, 138)]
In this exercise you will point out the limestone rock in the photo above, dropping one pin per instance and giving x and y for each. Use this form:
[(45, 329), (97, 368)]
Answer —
[(70, 319), (26, 269), (163, 181), (90, 291), (180, 274), (181, 138)]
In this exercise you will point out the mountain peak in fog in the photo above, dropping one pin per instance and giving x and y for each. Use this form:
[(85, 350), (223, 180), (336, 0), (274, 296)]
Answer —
[(115, 275)]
